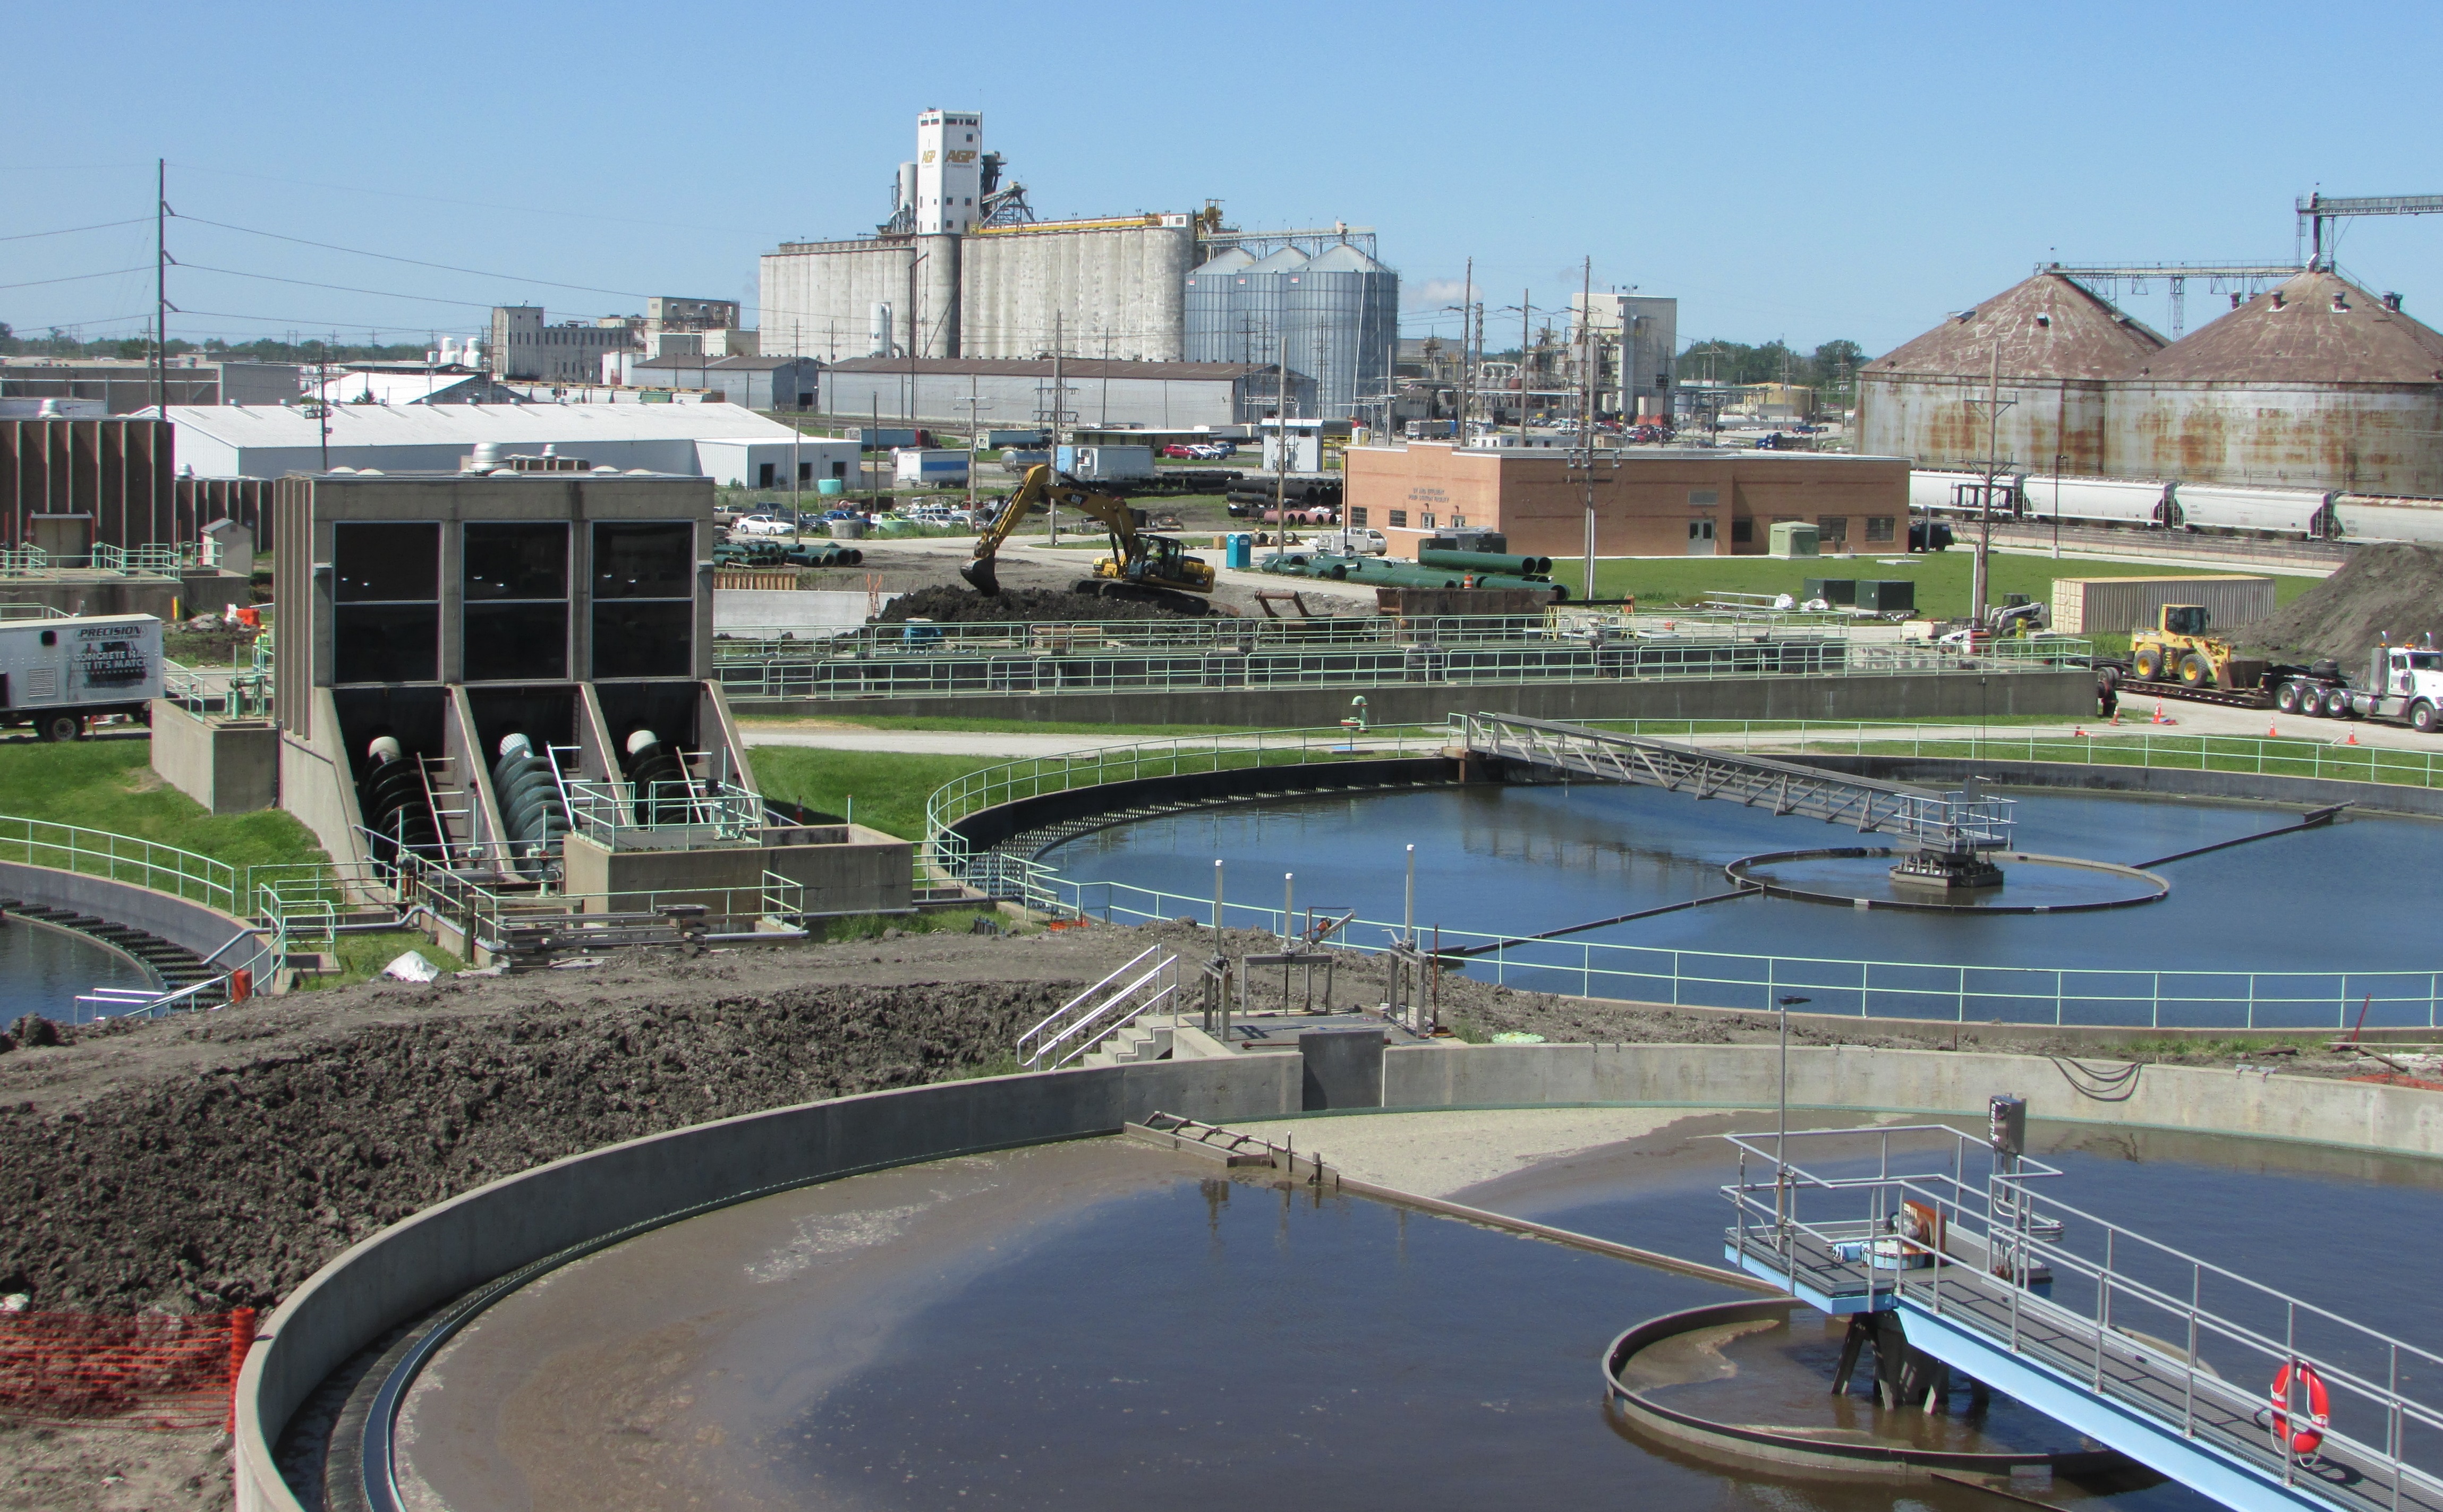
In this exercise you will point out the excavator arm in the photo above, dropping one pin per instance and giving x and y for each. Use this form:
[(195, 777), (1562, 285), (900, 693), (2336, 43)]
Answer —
[(1040, 490)]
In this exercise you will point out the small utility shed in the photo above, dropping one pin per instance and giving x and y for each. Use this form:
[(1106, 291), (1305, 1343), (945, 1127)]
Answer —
[(2112, 606)]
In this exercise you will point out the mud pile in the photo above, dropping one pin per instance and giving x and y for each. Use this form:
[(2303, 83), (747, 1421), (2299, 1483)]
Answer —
[(964, 605), (229, 1188), (2386, 592)]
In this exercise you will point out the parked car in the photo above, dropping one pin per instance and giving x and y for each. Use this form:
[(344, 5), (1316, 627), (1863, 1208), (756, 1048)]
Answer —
[(1181, 451), (763, 523), (1214, 450), (1358, 540)]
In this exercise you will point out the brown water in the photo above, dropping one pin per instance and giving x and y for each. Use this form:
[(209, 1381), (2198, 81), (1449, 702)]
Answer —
[(1095, 1325)]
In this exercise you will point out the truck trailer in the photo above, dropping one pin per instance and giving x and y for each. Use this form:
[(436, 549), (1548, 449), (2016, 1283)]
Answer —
[(2404, 685), (59, 675)]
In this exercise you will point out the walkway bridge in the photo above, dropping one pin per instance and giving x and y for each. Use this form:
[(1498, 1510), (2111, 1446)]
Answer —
[(1949, 822), (2163, 1356)]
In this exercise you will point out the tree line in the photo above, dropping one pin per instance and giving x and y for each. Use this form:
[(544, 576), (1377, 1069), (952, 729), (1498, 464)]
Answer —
[(57, 343)]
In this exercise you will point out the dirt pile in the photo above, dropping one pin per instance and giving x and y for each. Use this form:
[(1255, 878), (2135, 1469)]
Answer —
[(229, 1188), (2384, 590), (964, 605)]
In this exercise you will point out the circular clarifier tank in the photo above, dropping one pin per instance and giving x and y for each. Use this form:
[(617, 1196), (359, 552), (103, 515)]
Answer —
[(1101, 1324), (1517, 861)]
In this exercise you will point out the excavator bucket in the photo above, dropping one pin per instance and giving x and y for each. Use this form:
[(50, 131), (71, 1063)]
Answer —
[(980, 578)]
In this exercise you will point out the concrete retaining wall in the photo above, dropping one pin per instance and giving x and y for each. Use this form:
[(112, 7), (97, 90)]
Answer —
[(414, 1265), (200, 929), (1926, 697), (987, 828), (230, 766), (2390, 797)]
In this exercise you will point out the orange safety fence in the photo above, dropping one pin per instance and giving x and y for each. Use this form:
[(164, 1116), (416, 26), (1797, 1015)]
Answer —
[(146, 1370)]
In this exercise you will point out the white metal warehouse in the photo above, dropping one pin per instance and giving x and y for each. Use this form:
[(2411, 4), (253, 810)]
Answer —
[(1154, 395)]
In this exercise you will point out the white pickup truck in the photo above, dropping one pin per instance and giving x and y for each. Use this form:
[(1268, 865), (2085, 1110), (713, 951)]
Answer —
[(56, 674)]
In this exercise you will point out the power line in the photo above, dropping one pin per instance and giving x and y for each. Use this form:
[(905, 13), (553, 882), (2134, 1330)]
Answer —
[(76, 277), (472, 204), (344, 289), (71, 231), (417, 262)]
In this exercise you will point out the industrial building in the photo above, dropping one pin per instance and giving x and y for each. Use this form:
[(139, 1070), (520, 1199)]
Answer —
[(1153, 395), (753, 382), (1333, 315), (429, 386), (2058, 348), (259, 440), (2316, 384), (123, 386), (1640, 335), (1648, 503), (962, 271), (114, 474), (525, 346)]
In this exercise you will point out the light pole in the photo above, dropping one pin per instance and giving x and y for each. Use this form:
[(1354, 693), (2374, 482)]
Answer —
[(1781, 1125)]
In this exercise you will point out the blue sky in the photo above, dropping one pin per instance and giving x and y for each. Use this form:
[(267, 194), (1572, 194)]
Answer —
[(1804, 173)]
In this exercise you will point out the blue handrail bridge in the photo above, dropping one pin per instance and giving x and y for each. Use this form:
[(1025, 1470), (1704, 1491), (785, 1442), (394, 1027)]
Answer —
[(2166, 1357)]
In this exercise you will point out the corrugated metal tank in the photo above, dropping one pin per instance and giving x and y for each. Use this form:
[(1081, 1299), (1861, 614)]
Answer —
[(1260, 293), (1344, 324), (1212, 304), (2316, 384), (2059, 347)]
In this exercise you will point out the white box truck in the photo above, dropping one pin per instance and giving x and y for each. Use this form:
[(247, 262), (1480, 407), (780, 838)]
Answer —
[(58, 674), (916, 467), (1110, 464)]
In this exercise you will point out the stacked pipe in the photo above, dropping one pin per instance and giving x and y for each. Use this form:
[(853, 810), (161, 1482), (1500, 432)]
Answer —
[(396, 808), (533, 813), (1487, 562), (659, 776), (1383, 572)]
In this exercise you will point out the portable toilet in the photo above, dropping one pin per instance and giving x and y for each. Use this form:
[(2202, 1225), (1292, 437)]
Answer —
[(1794, 537), (1241, 553)]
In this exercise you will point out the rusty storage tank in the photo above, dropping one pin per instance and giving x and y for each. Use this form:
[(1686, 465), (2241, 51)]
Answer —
[(2315, 384), (2061, 346)]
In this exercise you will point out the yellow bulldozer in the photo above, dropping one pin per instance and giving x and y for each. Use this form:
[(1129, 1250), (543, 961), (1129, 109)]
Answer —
[(2176, 649), (1146, 567)]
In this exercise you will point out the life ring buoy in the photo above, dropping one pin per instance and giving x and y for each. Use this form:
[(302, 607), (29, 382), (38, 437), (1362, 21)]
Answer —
[(2308, 1436)]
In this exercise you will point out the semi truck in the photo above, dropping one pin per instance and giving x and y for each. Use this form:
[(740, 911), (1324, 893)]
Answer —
[(2404, 685), (59, 675)]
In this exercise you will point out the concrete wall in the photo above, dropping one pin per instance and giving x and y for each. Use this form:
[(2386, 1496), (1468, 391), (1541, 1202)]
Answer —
[(1926, 696), (230, 766), (817, 297), (445, 1251), (2387, 798), (201, 929), (844, 868), (1126, 283), (117, 472)]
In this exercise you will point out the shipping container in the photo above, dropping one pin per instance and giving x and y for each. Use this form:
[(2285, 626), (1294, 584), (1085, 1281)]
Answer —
[(912, 466), (2115, 606)]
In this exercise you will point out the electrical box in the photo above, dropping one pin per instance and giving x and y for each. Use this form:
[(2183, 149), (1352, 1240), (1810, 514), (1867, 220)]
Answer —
[(2007, 1123), (1794, 537), (1888, 595), (1838, 591)]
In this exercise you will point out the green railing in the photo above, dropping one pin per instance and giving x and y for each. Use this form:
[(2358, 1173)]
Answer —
[(121, 858), (2123, 997)]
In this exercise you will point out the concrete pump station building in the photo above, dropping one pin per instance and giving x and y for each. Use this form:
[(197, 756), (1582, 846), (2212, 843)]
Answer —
[(1648, 503)]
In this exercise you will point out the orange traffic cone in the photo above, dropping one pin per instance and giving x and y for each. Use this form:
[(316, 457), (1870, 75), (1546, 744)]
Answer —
[(2353, 740), (2272, 732), (2077, 730)]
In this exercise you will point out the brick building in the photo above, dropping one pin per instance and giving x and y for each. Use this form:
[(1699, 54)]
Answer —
[(1652, 503)]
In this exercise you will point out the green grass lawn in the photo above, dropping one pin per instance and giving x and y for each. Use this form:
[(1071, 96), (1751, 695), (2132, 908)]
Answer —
[(890, 786), (1944, 579), (106, 784), (1120, 733)]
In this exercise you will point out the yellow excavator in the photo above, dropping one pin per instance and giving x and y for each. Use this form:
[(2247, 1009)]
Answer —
[(2178, 646), (1150, 567)]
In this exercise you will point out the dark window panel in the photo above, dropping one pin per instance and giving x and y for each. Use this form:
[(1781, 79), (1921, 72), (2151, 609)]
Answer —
[(379, 562), (644, 640), (527, 560), (515, 643), (644, 560), (386, 642)]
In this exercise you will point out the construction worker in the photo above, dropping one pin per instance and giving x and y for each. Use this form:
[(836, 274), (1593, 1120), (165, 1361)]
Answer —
[(2107, 691)]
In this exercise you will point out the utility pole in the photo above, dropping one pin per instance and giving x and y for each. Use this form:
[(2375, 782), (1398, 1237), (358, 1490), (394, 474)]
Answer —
[(1467, 385), (1582, 457), (1059, 403), (1526, 307), (1281, 437), (160, 285), (974, 430), (1994, 407)]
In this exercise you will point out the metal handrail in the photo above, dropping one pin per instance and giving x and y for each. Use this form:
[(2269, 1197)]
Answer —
[(1084, 1012), (2013, 1233), (100, 853)]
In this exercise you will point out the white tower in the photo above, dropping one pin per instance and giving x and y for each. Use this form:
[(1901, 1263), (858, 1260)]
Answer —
[(949, 152)]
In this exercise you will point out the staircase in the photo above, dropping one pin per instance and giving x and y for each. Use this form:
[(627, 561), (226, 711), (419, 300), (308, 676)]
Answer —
[(175, 966), (1127, 1017), (1148, 1039)]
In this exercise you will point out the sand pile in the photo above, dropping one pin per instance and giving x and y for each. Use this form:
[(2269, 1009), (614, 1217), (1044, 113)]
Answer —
[(2387, 592)]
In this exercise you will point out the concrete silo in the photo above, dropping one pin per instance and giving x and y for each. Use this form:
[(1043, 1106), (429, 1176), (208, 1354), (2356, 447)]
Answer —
[(1212, 305), (2314, 384), (1344, 315), (2060, 347)]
